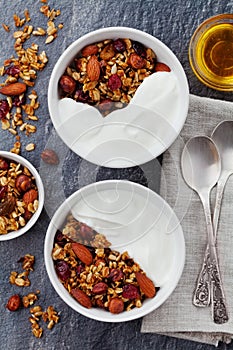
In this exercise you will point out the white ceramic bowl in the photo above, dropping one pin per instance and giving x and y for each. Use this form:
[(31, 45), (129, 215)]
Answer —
[(133, 218), (161, 127), (18, 159)]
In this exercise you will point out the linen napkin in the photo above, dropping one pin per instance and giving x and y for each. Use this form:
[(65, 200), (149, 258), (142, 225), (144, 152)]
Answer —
[(177, 316)]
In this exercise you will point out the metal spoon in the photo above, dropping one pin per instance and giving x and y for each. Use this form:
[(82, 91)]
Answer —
[(223, 138), (201, 167)]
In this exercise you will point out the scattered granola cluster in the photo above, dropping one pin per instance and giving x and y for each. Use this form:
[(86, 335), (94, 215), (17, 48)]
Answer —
[(49, 315), (98, 277), (107, 74), (18, 108), (18, 196)]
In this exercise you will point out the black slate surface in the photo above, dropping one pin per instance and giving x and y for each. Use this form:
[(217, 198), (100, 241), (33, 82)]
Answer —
[(173, 22)]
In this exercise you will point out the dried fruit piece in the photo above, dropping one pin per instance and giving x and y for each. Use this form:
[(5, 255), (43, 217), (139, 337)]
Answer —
[(67, 84), (30, 196), (161, 67), (49, 156), (107, 53), (90, 50), (23, 183), (93, 68), (63, 270), (4, 108), (130, 292), (81, 297), (116, 305), (8, 206), (146, 285), (136, 61), (139, 49), (13, 89), (119, 45), (114, 82), (13, 303), (100, 288), (3, 191), (82, 253)]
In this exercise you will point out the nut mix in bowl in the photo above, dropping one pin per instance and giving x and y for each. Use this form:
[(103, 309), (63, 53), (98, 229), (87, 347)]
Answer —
[(21, 195), (128, 76), (94, 274), (115, 240), (107, 74)]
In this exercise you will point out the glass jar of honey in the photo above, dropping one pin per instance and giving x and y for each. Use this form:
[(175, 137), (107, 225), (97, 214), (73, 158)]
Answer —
[(211, 52)]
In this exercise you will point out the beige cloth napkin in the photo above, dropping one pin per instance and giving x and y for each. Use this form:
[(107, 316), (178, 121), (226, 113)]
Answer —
[(177, 316)]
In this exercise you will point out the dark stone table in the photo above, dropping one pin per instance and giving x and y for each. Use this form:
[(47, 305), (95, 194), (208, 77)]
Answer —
[(173, 22)]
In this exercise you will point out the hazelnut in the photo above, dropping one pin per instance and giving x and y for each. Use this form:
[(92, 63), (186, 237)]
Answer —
[(3, 164), (116, 306), (13, 303), (30, 196), (23, 183), (67, 84)]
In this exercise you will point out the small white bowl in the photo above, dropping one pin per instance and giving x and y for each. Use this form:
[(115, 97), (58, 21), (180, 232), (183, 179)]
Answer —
[(18, 159), (121, 147), (134, 219)]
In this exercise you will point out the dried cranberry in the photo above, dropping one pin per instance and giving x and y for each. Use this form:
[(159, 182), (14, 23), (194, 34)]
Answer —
[(139, 49), (130, 292), (18, 101), (81, 96), (116, 275), (4, 108), (60, 239), (114, 82), (80, 269), (119, 45), (3, 191), (12, 70), (63, 270), (3, 164)]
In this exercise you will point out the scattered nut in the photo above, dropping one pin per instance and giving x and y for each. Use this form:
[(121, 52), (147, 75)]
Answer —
[(49, 156)]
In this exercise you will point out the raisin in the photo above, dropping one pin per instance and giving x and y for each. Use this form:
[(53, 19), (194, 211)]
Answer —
[(116, 275), (139, 49), (3, 191)]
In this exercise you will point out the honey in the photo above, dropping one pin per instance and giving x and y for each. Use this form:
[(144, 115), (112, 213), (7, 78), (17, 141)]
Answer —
[(211, 53)]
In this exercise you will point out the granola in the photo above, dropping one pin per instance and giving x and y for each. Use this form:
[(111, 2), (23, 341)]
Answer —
[(18, 196), (94, 274), (107, 74)]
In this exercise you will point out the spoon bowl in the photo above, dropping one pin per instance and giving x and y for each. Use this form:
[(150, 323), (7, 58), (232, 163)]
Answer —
[(200, 162)]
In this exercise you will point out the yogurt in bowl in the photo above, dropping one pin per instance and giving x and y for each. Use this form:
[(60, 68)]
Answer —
[(135, 134)]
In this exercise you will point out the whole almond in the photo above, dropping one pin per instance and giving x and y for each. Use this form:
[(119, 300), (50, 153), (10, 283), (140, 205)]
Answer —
[(82, 253), (116, 305), (146, 285), (90, 50), (30, 196), (93, 69), (13, 89), (49, 156), (81, 297), (100, 288)]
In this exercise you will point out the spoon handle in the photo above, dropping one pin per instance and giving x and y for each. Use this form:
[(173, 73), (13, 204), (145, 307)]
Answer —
[(201, 295), (219, 309)]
